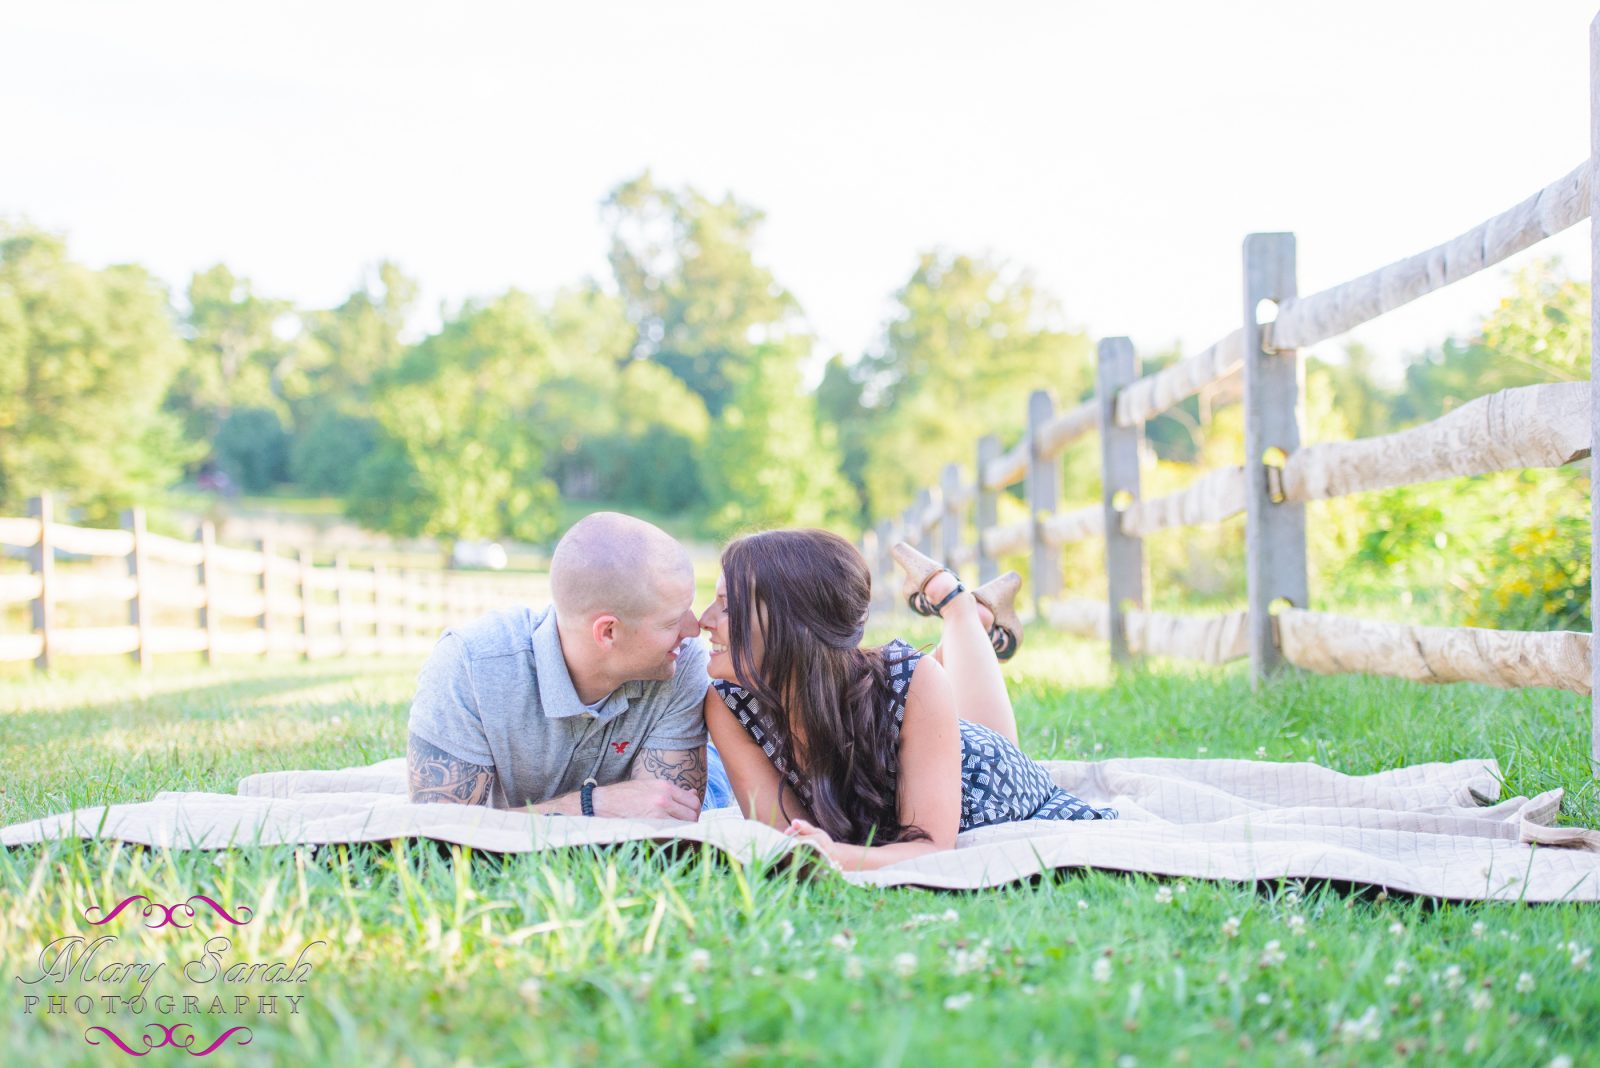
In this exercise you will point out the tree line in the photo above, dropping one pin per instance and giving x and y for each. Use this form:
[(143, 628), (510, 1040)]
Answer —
[(675, 387)]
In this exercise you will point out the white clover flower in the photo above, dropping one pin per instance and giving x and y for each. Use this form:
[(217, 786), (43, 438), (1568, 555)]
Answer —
[(1101, 972), (1391, 979), (687, 997), (1580, 956), (531, 990), (853, 969), (1525, 983), (1127, 1060), (1098, 747), (904, 964), (1452, 977), (1181, 888), (957, 1002), (1082, 904), (1230, 927), (1402, 966), (1164, 895), (1292, 898), (1272, 954), (963, 961), (785, 930), (757, 971), (808, 976), (1478, 929), (699, 959), (1480, 1000), (1203, 749), (1362, 1029), (844, 941), (1561, 1060), (1261, 750), (1397, 928), (1297, 925), (1263, 998)]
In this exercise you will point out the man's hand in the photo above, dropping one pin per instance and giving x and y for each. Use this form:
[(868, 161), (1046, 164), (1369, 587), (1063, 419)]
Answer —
[(683, 768), (435, 775), (651, 799)]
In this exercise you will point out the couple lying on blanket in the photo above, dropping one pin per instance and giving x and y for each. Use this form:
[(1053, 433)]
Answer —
[(599, 704)]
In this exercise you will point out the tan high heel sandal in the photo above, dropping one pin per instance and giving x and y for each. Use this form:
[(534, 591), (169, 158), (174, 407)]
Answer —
[(999, 596), (920, 571)]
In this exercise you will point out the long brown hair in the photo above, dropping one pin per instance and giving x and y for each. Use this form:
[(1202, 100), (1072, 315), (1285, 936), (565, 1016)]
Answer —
[(809, 591)]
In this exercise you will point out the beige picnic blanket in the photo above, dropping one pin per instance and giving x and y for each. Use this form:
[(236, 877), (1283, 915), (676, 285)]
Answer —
[(1435, 829)]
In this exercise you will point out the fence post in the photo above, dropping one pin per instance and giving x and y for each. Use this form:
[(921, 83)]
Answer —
[(950, 513), (209, 617), (341, 574), (308, 599), (265, 547), (42, 562), (988, 506), (1275, 529), (380, 609), (885, 566), (1044, 495), (1119, 480), (133, 522), (920, 508), (1594, 399)]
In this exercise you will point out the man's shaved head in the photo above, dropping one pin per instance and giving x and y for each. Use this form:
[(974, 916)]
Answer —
[(614, 564)]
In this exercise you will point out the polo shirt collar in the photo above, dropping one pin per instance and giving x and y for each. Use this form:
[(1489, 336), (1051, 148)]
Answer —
[(558, 697)]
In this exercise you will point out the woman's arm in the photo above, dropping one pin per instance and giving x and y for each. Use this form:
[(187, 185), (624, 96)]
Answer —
[(755, 781), (930, 778)]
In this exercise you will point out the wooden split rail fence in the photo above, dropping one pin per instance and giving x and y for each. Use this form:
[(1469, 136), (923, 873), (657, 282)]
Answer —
[(227, 600), (1259, 365)]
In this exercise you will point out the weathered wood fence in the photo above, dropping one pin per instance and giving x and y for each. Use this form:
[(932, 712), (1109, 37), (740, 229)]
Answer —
[(1260, 365), (238, 601)]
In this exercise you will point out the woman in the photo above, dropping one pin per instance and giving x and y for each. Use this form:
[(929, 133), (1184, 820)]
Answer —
[(873, 755)]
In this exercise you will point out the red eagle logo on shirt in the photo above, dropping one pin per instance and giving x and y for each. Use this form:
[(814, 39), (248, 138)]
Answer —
[(621, 747)]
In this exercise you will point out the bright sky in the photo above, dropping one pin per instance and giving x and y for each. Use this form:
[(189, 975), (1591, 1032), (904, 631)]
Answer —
[(1121, 150)]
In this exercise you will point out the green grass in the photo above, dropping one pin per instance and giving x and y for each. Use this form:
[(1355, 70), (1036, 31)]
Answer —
[(644, 955)]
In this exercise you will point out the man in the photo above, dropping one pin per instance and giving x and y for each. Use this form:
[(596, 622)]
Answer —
[(601, 693)]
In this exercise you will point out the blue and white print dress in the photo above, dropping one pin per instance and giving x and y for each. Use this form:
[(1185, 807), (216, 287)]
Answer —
[(999, 783)]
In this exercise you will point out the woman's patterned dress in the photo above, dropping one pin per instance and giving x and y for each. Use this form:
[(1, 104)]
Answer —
[(999, 783)]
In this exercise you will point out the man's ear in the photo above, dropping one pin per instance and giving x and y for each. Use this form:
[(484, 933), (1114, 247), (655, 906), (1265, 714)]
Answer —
[(604, 631)]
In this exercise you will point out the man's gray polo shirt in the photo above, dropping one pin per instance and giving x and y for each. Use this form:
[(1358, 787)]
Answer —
[(497, 692)]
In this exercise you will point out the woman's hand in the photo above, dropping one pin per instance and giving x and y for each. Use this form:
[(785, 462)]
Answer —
[(801, 831)]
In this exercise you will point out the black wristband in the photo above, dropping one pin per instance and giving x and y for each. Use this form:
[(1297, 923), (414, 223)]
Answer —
[(586, 797)]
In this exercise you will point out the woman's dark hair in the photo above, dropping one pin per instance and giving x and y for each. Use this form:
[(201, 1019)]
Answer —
[(810, 591)]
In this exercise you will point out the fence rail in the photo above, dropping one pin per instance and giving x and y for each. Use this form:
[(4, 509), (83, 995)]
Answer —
[(283, 602), (1259, 365)]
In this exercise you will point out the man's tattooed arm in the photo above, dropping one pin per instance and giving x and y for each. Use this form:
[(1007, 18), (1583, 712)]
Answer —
[(435, 775), (681, 767)]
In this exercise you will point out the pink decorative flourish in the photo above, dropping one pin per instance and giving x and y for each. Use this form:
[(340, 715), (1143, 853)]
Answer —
[(184, 1042), (167, 911)]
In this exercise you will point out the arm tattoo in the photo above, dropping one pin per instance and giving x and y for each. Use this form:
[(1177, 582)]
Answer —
[(681, 767), (437, 776)]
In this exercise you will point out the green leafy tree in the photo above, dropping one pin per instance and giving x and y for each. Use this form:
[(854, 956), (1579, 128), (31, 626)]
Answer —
[(766, 464), (239, 346), (702, 308), (329, 379), (969, 340), (700, 304), (461, 453), (85, 358)]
